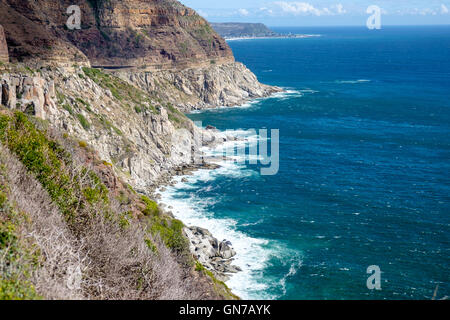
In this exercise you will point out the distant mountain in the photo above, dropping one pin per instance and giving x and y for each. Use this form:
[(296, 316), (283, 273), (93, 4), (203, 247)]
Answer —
[(239, 30)]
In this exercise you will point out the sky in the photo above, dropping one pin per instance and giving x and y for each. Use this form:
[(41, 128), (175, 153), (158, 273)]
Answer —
[(322, 12)]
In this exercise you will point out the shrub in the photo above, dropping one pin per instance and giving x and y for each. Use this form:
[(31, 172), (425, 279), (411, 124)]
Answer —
[(151, 207), (68, 108), (83, 121), (84, 103)]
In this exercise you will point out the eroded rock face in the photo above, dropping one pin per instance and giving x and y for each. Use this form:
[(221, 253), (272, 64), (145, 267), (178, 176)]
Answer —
[(228, 84), (31, 94), (162, 45), (4, 56), (146, 34)]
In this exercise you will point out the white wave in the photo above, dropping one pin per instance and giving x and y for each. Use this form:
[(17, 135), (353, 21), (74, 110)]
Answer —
[(251, 254), (353, 81), (288, 93), (296, 264)]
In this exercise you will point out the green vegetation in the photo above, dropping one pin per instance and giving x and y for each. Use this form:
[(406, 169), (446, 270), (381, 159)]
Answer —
[(119, 88), (151, 245), (69, 109), (83, 121), (108, 125), (60, 97), (170, 230), (49, 162), (17, 260), (124, 92), (151, 207), (81, 197), (219, 286), (84, 103), (82, 144), (177, 117)]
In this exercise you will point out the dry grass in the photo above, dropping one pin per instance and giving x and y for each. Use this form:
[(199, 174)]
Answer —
[(59, 251), (103, 260)]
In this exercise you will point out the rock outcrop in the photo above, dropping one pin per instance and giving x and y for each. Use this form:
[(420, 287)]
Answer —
[(214, 255), (142, 137), (190, 89), (4, 56), (28, 93)]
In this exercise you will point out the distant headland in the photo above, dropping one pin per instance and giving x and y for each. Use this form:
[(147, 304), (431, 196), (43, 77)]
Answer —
[(235, 30)]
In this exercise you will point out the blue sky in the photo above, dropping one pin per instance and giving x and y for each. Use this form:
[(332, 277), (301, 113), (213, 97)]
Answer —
[(322, 12)]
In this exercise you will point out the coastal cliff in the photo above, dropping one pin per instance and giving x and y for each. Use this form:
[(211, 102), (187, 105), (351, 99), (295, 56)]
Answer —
[(93, 119)]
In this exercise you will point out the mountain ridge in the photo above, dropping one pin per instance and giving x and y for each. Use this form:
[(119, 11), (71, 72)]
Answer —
[(154, 35), (241, 30)]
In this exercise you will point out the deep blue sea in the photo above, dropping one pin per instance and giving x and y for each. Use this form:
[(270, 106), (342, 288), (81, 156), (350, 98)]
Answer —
[(364, 173)]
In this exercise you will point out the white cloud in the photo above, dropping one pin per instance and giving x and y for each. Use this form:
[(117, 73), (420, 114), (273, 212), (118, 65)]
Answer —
[(266, 10), (298, 8), (243, 12), (424, 11), (340, 9), (305, 8)]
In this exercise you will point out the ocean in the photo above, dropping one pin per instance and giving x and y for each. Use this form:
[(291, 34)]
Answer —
[(364, 176)]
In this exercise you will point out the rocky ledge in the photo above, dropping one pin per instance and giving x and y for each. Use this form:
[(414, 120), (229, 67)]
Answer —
[(214, 255), (217, 85)]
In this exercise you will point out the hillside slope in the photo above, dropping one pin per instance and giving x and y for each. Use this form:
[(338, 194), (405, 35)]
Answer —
[(152, 34)]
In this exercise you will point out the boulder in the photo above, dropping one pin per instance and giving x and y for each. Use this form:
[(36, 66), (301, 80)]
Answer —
[(214, 255)]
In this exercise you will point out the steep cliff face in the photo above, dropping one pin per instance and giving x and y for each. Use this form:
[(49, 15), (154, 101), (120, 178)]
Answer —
[(149, 34), (190, 89), (128, 128), (159, 45)]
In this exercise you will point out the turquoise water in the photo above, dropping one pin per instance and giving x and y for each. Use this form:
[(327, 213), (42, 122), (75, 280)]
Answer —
[(364, 173)]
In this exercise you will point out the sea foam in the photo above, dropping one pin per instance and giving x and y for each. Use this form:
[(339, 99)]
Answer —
[(251, 256)]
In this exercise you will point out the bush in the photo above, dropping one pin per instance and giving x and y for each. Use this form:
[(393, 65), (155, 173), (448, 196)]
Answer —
[(82, 144), (151, 207), (69, 109), (84, 123)]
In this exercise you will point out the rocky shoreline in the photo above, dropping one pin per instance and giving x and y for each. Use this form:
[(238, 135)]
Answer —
[(215, 255)]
